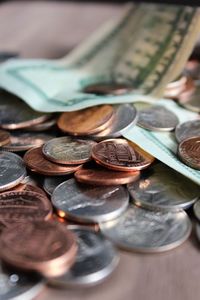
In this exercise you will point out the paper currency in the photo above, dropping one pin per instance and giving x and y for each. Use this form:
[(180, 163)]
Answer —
[(146, 48)]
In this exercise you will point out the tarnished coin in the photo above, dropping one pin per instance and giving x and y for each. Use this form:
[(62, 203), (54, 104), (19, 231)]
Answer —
[(189, 152), (15, 114), (12, 170), (22, 141), (86, 121), (191, 101), (50, 183), (111, 88), (157, 118), (121, 155), (125, 117), (24, 206), (160, 187), (66, 150), (4, 138), (35, 160), (15, 285), (187, 130), (196, 209), (87, 203), (95, 261), (101, 176), (46, 247), (143, 230)]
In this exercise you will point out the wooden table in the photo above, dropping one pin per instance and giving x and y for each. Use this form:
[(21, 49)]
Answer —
[(50, 30)]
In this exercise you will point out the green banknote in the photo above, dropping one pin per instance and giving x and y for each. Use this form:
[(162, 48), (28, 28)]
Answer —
[(163, 145), (146, 48)]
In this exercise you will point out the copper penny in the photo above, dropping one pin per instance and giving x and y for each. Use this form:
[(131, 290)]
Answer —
[(24, 206), (4, 138), (121, 155), (100, 176), (108, 88), (35, 160), (189, 152), (86, 121), (46, 247)]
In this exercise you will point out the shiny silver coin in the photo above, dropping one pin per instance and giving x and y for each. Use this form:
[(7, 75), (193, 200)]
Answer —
[(187, 130), (66, 150), (142, 230), (160, 187), (87, 203), (15, 285), (157, 118), (191, 102), (50, 183), (95, 261), (22, 141), (125, 117), (196, 209), (12, 170), (15, 114)]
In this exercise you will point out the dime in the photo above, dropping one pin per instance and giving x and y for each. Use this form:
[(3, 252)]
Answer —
[(35, 160), (24, 206), (87, 203), (4, 138), (86, 121), (196, 209), (121, 155), (22, 141), (101, 176), (95, 261), (108, 88), (142, 230), (157, 118), (187, 130), (160, 187), (15, 114), (191, 101), (50, 183), (12, 170), (189, 152), (46, 247), (66, 150)]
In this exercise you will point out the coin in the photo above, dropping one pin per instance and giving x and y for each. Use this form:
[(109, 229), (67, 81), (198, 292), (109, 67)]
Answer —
[(160, 187), (87, 203), (66, 150), (24, 206), (191, 101), (86, 121), (187, 130), (42, 246), (22, 141), (50, 183), (101, 176), (95, 261), (157, 118), (4, 138), (121, 155), (23, 187), (111, 88), (189, 152), (12, 170), (124, 118), (15, 114), (35, 160), (196, 209), (143, 230)]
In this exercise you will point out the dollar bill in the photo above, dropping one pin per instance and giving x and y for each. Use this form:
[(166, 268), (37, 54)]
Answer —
[(163, 145), (146, 48)]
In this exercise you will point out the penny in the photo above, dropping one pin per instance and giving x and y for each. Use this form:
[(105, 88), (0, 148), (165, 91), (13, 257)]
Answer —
[(189, 152), (24, 206), (95, 261), (15, 114), (108, 88), (87, 203), (12, 170), (35, 160), (143, 230), (66, 150), (50, 183), (196, 209), (42, 246), (121, 155), (160, 187), (101, 176), (191, 101), (86, 121), (157, 118), (4, 138), (22, 141), (187, 130)]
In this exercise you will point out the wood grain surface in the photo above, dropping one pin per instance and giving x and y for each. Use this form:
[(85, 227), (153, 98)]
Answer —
[(50, 30)]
